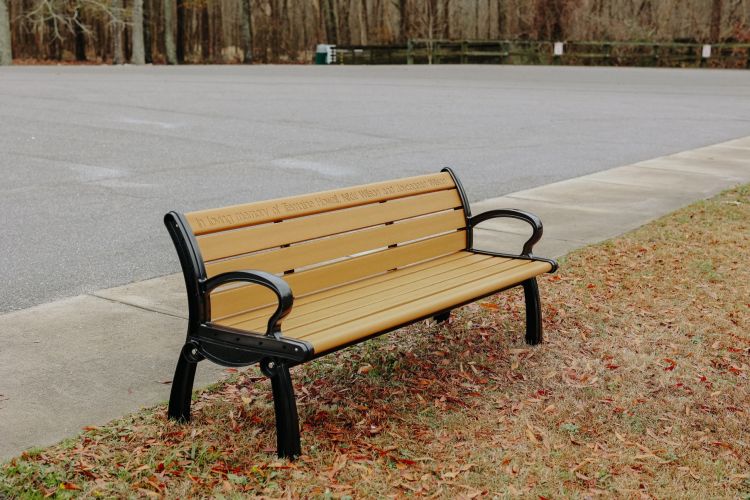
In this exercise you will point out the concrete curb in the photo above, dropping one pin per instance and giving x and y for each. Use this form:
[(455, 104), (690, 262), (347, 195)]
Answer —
[(88, 359)]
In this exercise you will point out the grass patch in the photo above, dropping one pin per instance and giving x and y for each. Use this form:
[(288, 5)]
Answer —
[(640, 389)]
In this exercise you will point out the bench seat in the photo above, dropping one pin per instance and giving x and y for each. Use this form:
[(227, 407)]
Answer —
[(351, 312)]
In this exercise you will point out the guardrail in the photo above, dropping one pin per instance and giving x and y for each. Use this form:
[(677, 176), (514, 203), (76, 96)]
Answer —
[(674, 54)]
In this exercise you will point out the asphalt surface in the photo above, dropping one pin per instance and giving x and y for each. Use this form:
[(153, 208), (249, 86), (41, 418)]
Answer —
[(92, 157)]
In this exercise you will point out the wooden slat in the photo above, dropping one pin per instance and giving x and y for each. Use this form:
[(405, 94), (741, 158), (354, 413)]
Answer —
[(327, 249), (403, 284), (374, 320), (359, 307), (228, 302), (240, 241), (221, 219), (372, 285)]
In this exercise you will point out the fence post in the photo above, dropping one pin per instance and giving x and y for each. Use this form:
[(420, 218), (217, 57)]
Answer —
[(409, 51)]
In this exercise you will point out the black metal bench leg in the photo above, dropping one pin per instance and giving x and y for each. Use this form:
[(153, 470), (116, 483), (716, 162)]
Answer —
[(533, 312), (442, 317), (182, 384), (285, 405)]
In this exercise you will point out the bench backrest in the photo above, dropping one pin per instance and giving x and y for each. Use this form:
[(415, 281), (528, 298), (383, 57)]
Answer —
[(324, 239)]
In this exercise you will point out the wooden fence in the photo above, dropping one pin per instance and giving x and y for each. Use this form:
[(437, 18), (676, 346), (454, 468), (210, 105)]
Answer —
[(419, 51)]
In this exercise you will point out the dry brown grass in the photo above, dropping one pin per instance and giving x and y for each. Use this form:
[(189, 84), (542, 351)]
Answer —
[(640, 390)]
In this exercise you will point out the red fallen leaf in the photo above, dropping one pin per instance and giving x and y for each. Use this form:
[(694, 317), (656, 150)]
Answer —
[(231, 370), (490, 306), (612, 367), (671, 366), (86, 472), (556, 277), (160, 467), (70, 486), (591, 285), (406, 461), (90, 428)]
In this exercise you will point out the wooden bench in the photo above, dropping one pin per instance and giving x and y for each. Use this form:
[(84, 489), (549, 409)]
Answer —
[(361, 261)]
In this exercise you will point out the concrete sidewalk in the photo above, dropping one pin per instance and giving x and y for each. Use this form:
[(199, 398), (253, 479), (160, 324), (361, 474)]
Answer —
[(89, 359)]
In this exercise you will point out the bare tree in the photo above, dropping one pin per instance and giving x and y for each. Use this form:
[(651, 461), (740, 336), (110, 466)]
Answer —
[(137, 42), (170, 48), (329, 15), (247, 30), (403, 12), (214, 30), (716, 8), (180, 31), (6, 54), (117, 32), (79, 33)]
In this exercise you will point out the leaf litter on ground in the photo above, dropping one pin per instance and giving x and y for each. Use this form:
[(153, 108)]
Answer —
[(640, 389)]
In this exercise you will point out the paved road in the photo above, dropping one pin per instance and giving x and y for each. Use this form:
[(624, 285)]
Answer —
[(91, 157)]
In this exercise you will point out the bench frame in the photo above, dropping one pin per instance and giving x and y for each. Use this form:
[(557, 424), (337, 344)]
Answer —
[(231, 347)]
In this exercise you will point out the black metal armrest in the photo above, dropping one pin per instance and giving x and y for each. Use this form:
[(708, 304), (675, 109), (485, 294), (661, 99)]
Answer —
[(512, 213), (271, 281)]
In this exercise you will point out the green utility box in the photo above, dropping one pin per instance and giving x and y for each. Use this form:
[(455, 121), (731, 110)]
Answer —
[(325, 54)]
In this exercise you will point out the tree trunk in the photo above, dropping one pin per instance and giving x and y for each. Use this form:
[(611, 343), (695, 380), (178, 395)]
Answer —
[(329, 15), (180, 31), (139, 52), (118, 56), (169, 28), (79, 36), (205, 35), (247, 31), (345, 33), (716, 9), (6, 54), (502, 21), (403, 11), (364, 23), (477, 20), (147, 34), (447, 10)]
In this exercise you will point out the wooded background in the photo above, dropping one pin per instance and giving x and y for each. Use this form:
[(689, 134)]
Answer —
[(226, 31)]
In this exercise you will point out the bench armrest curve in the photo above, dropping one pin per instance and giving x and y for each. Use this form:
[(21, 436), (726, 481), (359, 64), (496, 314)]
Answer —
[(512, 213), (274, 283)]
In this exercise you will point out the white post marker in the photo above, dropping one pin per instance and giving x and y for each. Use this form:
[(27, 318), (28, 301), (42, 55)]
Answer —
[(558, 48), (706, 53)]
